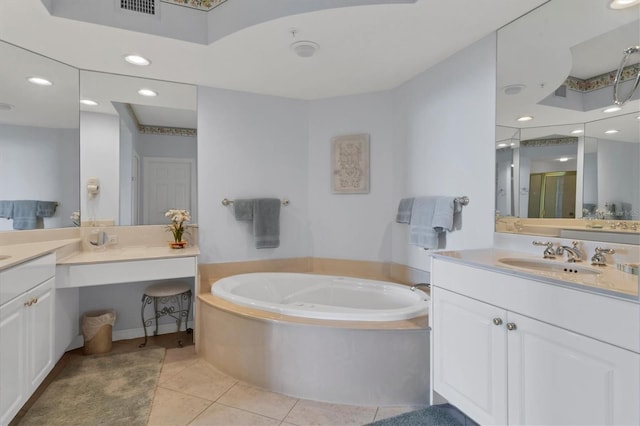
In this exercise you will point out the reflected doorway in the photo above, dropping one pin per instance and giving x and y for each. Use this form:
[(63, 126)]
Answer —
[(552, 195)]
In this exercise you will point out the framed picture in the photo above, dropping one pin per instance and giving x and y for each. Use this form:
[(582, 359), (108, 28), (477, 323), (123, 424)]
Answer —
[(350, 164)]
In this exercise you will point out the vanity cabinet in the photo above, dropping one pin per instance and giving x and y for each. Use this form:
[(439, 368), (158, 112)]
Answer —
[(502, 366), (26, 333)]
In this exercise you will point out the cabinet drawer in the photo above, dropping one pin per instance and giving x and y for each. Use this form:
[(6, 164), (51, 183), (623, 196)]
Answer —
[(25, 276)]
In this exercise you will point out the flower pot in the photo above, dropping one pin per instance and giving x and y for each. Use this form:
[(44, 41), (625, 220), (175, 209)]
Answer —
[(178, 244)]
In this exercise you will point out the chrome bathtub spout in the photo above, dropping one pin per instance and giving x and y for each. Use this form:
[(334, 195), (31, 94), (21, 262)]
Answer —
[(425, 285), (573, 253)]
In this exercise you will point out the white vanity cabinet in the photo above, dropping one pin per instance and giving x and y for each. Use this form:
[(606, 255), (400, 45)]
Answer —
[(26, 332), (505, 350)]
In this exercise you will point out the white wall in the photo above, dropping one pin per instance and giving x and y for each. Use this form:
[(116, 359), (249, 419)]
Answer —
[(446, 118), (619, 174), (40, 164), (250, 146), (99, 158)]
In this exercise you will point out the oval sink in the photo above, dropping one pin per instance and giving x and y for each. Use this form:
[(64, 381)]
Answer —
[(541, 265)]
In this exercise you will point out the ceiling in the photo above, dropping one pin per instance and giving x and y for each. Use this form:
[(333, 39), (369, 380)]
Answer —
[(362, 48)]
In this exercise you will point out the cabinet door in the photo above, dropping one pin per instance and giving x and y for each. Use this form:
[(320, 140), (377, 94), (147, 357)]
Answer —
[(41, 332), (469, 355), (559, 377), (13, 358)]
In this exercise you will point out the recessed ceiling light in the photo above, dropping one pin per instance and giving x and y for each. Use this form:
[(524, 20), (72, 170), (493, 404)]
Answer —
[(525, 118), (513, 89), (40, 81), (147, 92), (638, 117), (137, 60), (512, 144), (563, 159), (305, 48), (577, 131), (611, 109), (5, 107), (88, 102), (502, 145), (611, 131), (621, 4)]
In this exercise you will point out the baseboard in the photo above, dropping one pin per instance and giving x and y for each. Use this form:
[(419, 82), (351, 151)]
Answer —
[(131, 333)]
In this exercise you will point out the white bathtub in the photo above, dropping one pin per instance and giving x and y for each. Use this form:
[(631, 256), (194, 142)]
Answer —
[(323, 296), (339, 340)]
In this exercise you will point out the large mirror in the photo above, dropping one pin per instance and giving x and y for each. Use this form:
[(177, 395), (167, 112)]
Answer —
[(39, 141), (140, 149), (556, 65)]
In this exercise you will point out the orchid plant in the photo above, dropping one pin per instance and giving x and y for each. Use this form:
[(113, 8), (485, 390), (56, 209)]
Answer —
[(178, 217)]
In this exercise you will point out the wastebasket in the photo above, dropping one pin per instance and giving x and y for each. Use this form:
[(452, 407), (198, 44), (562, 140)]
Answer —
[(96, 330)]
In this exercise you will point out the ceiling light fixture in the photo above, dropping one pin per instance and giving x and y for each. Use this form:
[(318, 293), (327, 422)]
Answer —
[(577, 131), (147, 92), (502, 145), (525, 118), (5, 107), (137, 60), (88, 102), (563, 159), (40, 81), (513, 89), (611, 131), (622, 4), (305, 48), (611, 109)]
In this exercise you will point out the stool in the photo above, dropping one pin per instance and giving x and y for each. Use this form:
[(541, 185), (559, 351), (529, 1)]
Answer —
[(176, 292)]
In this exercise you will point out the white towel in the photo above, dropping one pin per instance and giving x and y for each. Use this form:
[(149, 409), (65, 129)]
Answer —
[(445, 209), (421, 231)]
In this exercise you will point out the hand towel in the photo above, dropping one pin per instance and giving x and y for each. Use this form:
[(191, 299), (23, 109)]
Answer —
[(444, 211), (6, 209), (404, 210), (266, 222), (46, 208), (421, 232), (24, 214), (243, 209)]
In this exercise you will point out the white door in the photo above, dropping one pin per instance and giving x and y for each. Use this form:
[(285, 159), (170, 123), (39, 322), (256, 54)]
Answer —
[(13, 357), (469, 355), (40, 323), (169, 183), (557, 377)]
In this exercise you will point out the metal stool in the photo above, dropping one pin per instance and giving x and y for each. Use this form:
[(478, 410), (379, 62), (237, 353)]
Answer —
[(176, 292)]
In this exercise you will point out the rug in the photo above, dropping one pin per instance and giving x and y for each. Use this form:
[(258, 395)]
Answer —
[(115, 389), (434, 415)]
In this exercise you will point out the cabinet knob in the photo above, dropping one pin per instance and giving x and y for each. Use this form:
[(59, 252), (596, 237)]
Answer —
[(34, 300), (28, 303), (511, 326), (497, 321)]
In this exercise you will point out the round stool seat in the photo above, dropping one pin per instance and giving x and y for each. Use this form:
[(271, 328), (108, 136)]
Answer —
[(167, 289)]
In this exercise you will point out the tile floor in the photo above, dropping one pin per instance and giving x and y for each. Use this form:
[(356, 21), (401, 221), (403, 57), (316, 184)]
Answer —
[(190, 391)]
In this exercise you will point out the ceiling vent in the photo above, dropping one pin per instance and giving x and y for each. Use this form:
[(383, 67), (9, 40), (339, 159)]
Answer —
[(147, 7)]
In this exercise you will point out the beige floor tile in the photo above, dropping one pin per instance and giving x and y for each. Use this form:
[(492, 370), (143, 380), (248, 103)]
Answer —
[(221, 415), (322, 413), (258, 401), (176, 360), (386, 412), (173, 408), (202, 380)]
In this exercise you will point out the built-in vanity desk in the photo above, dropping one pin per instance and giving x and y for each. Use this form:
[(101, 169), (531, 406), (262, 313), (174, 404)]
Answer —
[(533, 343), (39, 303)]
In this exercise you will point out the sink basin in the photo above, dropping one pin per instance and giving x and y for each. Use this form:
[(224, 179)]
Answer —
[(542, 265)]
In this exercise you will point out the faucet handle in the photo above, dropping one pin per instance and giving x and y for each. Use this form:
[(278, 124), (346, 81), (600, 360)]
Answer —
[(549, 253), (549, 244), (605, 250), (598, 259)]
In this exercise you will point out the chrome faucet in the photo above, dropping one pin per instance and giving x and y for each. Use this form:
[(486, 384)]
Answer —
[(573, 253), (598, 259), (549, 252), (425, 285)]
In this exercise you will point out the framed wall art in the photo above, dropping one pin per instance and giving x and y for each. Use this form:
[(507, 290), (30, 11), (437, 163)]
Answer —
[(350, 164)]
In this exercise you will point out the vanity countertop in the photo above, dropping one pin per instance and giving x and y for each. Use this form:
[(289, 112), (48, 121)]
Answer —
[(19, 253), (126, 253), (610, 281)]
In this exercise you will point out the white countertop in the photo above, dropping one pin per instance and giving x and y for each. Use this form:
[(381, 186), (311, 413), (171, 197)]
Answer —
[(19, 253), (611, 281)]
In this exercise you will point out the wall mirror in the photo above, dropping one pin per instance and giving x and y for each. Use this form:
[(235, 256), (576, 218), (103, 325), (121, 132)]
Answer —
[(556, 65), (140, 149), (39, 141)]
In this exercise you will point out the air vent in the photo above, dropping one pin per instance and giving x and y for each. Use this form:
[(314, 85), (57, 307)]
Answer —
[(147, 7), (561, 91)]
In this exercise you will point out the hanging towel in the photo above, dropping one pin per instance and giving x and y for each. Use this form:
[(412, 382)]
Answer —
[(243, 209), (6, 209), (24, 214), (404, 210), (421, 231), (266, 222), (445, 209), (46, 208)]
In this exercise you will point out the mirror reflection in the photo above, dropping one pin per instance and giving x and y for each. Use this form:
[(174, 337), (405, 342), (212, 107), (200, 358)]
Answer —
[(554, 103), (39, 141), (141, 149)]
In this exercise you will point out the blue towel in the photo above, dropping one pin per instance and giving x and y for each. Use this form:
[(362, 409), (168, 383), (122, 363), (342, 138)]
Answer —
[(46, 208), (243, 209), (24, 214), (404, 210), (265, 215), (6, 209), (421, 231), (445, 209)]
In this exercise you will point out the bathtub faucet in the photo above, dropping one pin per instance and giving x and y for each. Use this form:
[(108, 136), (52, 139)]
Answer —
[(415, 287)]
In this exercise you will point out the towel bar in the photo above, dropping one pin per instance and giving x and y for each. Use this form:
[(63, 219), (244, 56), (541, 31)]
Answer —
[(464, 200), (226, 202)]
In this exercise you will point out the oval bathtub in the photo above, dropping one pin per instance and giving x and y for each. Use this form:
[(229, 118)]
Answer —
[(323, 296), (326, 338)]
